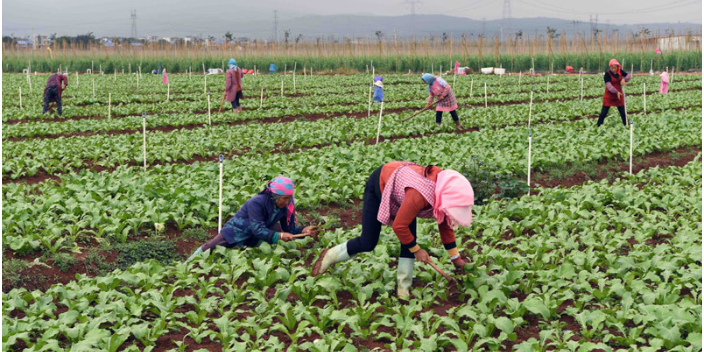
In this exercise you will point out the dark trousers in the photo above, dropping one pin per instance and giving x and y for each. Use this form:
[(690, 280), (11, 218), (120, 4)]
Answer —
[(52, 93), (453, 113), (605, 111), (371, 227), (219, 239), (236, 102)]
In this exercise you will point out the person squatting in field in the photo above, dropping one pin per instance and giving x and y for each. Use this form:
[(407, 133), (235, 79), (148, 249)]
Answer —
[(52, 92), (614, 78), (437, 87), (396, 194), (270, 217), (233, 85)]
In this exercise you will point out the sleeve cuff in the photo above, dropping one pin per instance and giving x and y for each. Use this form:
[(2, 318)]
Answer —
[(275, 238), (453, 252), (414, 249)]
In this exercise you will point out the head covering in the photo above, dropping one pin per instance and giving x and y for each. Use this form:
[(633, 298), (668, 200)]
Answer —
[(454, 198), (282, 186), (232, 64), (428, 78), (378, 81), (614, 62)]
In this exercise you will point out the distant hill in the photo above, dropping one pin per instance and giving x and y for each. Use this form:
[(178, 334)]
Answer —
[(424, 25)]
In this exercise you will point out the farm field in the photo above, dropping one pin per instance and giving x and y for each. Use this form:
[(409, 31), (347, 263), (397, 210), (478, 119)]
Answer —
[(592, 259)]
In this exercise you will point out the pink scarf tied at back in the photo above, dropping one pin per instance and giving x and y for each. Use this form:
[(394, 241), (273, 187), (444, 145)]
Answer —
[(283, 186), (453, 196)]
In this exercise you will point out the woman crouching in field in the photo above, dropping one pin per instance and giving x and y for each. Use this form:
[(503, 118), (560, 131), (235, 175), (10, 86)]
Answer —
[(270, 217)]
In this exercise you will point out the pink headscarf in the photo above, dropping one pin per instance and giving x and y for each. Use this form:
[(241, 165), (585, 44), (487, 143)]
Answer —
[(614, 62), (454, 198), (283, 186)]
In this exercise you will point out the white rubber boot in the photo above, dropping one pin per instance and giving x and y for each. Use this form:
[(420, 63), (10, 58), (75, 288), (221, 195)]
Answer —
[(404, 277), (329, 257)]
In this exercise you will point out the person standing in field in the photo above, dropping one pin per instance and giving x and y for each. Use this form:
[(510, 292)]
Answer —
[(614, 79), (233, 85), (52, 92), (664, 81), (437, 87), (396, 194), (269, 216)]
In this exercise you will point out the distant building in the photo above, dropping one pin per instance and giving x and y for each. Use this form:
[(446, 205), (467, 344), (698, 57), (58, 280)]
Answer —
[(679, 42)]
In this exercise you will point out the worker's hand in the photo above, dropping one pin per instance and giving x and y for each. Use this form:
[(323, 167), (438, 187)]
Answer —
[(619, 95), (459, 263), (623, 81), (311, 231), (285, 236), (422, 256)]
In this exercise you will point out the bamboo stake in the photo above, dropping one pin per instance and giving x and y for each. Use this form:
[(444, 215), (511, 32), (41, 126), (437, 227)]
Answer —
[(486, 104), (220, 197), (378, 129), (630, 158), (261, 98), (530, 147), (209, 120), (109, 102), (20, 97), (144, 135)]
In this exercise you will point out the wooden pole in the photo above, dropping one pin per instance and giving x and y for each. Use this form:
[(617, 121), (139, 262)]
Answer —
[(144, 135), (209, 120), (378, 129), (530, 147), (630, 158), (220, 197), (369, 105), (109, 102), (261, 98)]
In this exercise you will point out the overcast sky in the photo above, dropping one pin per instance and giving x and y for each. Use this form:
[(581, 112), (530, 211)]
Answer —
[(112, 17)]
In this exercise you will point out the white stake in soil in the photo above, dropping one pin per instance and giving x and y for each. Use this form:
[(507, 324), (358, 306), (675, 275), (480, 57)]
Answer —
[(209, 121), (530, 147), (645, 107), (486, 103), (630, 158), (220, 197), (261, 98), (144, 134), (530, 108), (109, 101), (369, 105), (282, 88), (168, 91), (378, 129)]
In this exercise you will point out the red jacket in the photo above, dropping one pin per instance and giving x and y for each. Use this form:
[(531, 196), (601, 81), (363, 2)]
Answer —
[(233, 84), (55, 81)]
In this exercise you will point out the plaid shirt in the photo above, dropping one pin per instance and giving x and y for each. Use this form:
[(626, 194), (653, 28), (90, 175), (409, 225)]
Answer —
[(441, 88), (395, 191)]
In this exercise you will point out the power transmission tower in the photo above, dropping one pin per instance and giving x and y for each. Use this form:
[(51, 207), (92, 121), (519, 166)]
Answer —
[(276, 26), (133, 15), (506, 18), (412, 3)]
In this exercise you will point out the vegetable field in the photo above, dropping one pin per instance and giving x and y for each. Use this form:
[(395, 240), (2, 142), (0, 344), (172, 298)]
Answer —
[(587, 257)]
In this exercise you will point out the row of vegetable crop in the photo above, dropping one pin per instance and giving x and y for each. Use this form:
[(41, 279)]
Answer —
[(27, 157), (126, 100), (51, 215), (592, 256), (171, 113)]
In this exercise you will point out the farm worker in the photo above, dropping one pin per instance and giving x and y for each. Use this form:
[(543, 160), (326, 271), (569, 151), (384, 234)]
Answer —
[(270, 217), (233, 85), (378, 89), (615, 78), (437, 87), (664, 81), (272, 69), (396, 194), (569, 69), (52, 91)]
